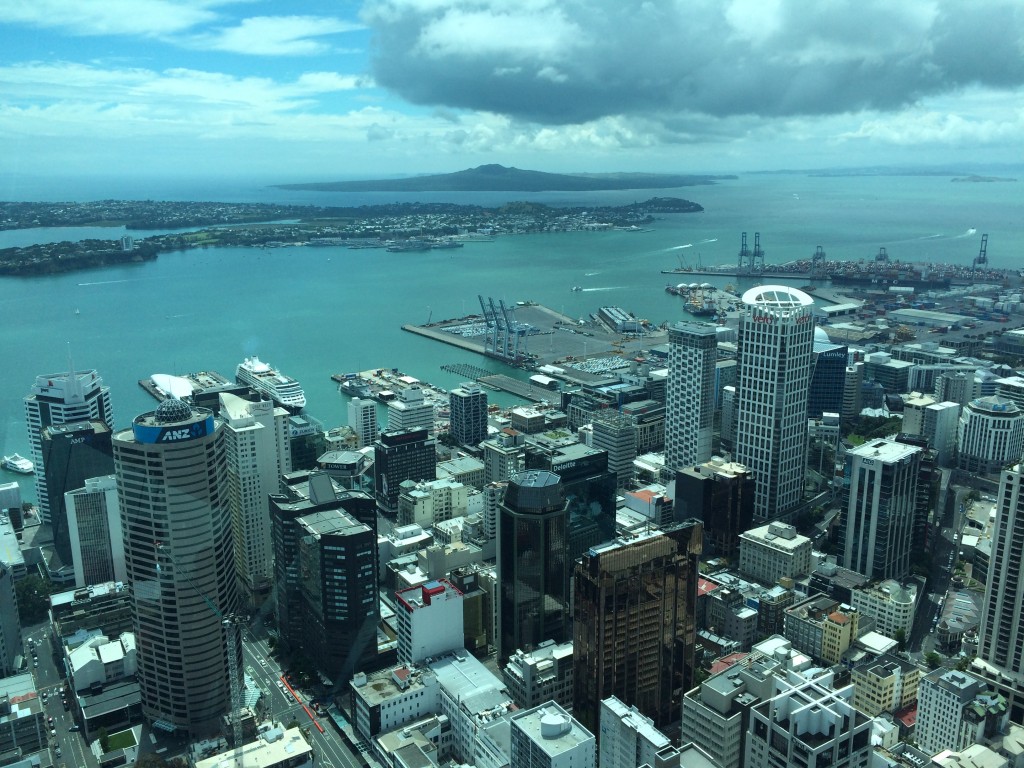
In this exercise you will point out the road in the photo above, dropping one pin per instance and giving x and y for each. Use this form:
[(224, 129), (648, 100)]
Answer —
[(49, 682), (331, 750)]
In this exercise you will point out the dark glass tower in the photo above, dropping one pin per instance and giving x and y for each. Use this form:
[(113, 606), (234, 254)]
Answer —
[(400, 455), (533, 563), (634, 624), (828, 380), (72, 453)]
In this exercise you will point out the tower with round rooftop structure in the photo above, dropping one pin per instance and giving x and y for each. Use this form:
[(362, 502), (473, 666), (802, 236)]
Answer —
[(775, 360), (172, 486)]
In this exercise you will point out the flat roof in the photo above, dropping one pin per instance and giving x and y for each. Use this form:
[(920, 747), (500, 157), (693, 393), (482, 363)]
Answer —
[(887, 451), (552, 729), (285, 746)]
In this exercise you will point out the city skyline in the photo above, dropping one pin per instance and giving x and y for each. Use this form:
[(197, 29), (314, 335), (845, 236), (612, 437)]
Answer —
[(323, 91)]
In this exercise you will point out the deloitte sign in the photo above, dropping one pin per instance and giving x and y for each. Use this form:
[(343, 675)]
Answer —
[(173, 433)]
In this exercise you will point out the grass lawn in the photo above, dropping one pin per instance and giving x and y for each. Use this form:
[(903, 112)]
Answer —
[(121, 740)]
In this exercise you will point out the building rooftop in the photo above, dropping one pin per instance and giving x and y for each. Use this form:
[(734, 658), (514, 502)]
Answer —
[(636, 721), (331, 522), (887, 451), (275, 747), (552, 729)]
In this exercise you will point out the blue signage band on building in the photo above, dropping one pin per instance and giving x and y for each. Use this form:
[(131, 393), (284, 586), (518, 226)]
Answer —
[(172, 433)]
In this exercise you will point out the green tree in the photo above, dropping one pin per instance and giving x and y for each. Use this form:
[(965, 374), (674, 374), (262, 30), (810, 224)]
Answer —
[(33, 595), (901, 639), (293, 724), (151, 760), (933, 660), (104, 740)]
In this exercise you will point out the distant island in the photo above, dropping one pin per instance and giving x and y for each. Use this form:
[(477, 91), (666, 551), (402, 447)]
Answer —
[(498, 178), (394, 226), (982, 178)]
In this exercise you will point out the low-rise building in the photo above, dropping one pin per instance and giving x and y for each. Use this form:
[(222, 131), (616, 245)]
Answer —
[(629, 739), (22, 718), (956, 709), (543, 674), (822, 627), (885, 684), (275, 748), (773, 552), (892, 605), (549, 737)]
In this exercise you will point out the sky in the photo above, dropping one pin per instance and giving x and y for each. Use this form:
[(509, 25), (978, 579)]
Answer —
[(314, 90)]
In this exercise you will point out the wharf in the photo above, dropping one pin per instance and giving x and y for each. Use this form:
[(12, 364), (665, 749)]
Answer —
[(200, 381), (799, 275), (523, 389), (385, 384)]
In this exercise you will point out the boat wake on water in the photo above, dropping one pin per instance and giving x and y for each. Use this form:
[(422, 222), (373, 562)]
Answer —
[(679, 247), (708, 240), (968, 233), (609, 288)]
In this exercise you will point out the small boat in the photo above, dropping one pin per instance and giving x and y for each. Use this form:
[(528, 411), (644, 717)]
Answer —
[(19, 464), (577, 288)]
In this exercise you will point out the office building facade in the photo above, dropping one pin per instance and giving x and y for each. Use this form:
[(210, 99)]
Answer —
[(1001, 633), (429, 619), (171, 473), (468, 404), (256, 446), (990, 435), (690, 394), (634, 623), (880, 489), (410, 410), (362, 417), (774, 350), (615, 434), (339, 606), (400, 456), (62, 398), (828, 379), (94, 525), (72, 452), (533, 563)]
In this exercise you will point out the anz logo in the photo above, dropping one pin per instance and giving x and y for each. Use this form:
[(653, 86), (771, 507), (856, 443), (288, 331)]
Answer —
[(186, 433)]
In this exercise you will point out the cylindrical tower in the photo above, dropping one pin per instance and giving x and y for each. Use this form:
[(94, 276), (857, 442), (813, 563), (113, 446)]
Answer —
[(172, 485)]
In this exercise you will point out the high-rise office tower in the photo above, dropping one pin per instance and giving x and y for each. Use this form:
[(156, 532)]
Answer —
[(690, 394), (62, 398), (94, 525), (774, 350), (468, 404), (362, 417), (400, 456), (256, 444), (990, 435), (72, 452), (828, 380), (533, 563), (720, 494), (634, 623), (10, 622), (853, 396), (300, 606), (876, 533), (1001, 634), (337, 563), (615, 434), (430, 620), (410, 411), (172, 487)]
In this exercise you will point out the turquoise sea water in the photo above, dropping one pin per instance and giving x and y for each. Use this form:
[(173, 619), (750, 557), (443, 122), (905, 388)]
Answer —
[(317, 311)]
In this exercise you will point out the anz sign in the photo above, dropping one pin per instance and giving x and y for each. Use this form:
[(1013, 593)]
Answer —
[(173, 433)]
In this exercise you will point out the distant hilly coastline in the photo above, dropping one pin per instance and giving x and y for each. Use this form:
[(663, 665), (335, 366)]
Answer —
[(498, 178)]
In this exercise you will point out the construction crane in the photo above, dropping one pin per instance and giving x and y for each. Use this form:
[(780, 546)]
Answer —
[(232, 624)]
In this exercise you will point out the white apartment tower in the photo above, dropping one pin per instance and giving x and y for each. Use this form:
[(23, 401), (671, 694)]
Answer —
[(362, 417), (775, 354), (1001, 634), (690, 394), (172, 484), (429, 619), (62, 398), (94, 527), (878, 522), (258, 453), (410, 411)]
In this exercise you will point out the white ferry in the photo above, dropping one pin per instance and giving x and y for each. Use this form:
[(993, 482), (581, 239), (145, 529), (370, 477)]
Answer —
[(282, 389), (17, 463)]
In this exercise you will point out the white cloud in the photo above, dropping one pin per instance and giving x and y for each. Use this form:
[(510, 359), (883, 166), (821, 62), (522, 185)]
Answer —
[(148, 18), (276, 36)]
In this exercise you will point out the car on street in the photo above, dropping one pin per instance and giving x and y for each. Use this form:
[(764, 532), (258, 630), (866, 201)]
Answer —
[(57, 752)]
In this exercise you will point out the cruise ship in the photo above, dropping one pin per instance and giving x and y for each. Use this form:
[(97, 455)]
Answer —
[(283, 390), (19, 464)]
